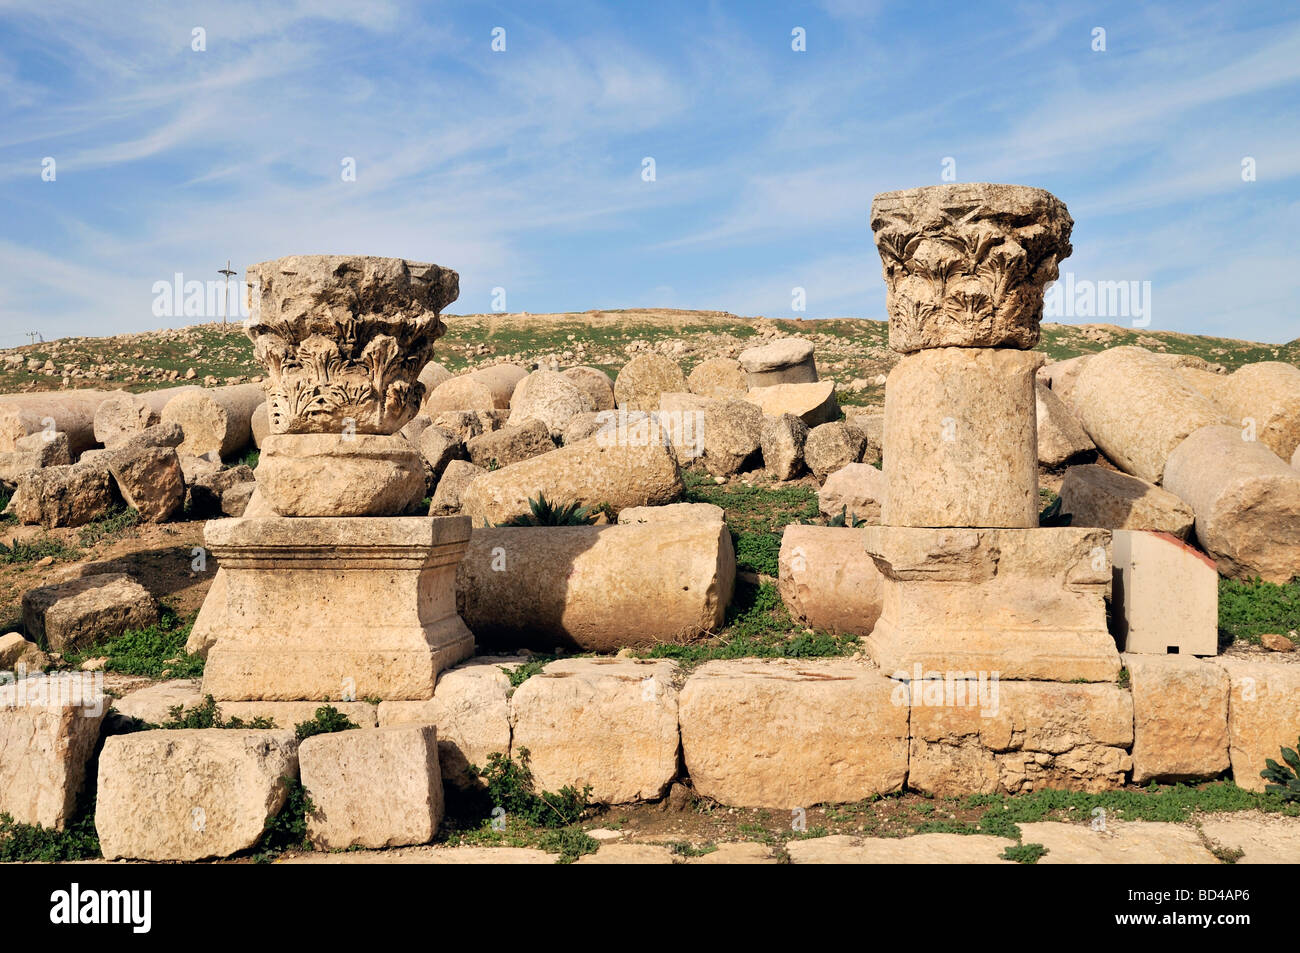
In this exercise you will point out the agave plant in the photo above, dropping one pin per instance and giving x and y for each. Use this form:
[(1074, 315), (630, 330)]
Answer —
[(1285, 779), (542, 512), (1052, 515)]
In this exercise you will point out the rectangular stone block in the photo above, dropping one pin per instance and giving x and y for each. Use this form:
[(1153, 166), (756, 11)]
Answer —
[(786, 734), (1165, 597), (333, 608), (1263, 715), (192, 794), (1180, 717), (373, 788), (49, 726), (471, 709), (961, 439), (610, 723), (1022, 604), (1018, 736)]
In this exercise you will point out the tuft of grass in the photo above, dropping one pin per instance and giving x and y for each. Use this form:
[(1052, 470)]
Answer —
[(109, 526), (758, 626), (682, 848), (757, 552), (38, 549), (31, 843), (327, 720), (152, 651), (207, 714), (1025, 853), (543, 512), (1248, 610), (509, 812)]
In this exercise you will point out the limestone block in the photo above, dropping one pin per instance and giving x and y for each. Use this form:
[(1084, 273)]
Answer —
[(784, 361), (1180, 717), (627, 467), (609, 723), (1246, 501), (471, 709), (121, 415), (782, 440), (1263, 715), (63, 495), (672, 513), (644, 378), (596, 588), (1137, 409), (192, 794), (1266, 395), (149, 479), (71, 412), (723, 434), (718, 377), (595, 383), (1061, 440), (786, 733), (856, 491), (812, 403), (86, 611), (334, 609), (323, 474), (1165, 596), (827, 581), (458, 475), (994, 736), (962, 439), (372, 788), (49, 727), (833, 446), (1095, 496), (153, 703), (1027, 604), (218, 421), (549, 397), (510, 444)]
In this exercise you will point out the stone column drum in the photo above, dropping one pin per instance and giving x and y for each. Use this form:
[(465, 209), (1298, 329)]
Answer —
[(339, 596), (964, 268), (970, 583)]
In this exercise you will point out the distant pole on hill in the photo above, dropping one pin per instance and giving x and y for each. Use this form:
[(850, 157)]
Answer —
[(225, 273)]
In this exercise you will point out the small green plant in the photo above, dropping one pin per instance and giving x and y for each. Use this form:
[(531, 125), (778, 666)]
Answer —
[(1123, 678), (206, 714), (522, 673), (250, 459), (327, 720), (542, 512), (1025, 853), (683, 848), (109, 526), (286, 829), (31, 843), (758, 552), (157, 651), (21, 552), (569, 842), (1284, 780), (5, 496), (509, 785)]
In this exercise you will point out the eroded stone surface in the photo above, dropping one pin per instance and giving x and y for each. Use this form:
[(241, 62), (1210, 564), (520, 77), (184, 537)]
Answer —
[(1096, 496), (1180, 717), (965, 265), (786, 734)]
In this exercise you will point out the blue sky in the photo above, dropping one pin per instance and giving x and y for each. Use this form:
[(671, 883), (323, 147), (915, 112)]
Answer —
[(522, 169)]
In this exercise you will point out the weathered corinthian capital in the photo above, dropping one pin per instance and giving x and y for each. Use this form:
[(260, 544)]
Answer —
[(343, 338), (965, 265)]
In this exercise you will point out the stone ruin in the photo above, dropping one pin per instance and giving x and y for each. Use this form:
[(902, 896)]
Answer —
[(332, 590), (320, 599), (965, 267)]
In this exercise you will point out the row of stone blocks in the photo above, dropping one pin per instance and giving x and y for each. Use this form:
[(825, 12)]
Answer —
[(760, 733)]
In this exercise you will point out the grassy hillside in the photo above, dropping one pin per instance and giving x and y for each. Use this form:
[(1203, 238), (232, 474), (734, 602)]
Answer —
[(847, 348)]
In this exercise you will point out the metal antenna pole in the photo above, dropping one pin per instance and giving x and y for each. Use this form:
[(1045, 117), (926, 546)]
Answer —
[(225, 291)]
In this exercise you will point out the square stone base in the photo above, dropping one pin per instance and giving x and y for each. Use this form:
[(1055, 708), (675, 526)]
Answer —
[(1026, 604), (336, 608)]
